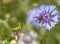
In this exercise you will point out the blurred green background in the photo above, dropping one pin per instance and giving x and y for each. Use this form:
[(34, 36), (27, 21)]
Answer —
[(13, 12)]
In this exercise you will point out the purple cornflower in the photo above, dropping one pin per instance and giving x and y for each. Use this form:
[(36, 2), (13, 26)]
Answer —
[(16, 33), (44, 16), (27, 39)]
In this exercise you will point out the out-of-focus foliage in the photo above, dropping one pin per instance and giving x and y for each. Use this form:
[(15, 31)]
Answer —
[(13, 12)]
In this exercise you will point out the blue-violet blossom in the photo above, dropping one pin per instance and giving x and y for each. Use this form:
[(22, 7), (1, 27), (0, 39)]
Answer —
[(44, 16)]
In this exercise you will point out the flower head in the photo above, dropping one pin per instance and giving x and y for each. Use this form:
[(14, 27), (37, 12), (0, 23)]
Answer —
[(44, 16), (29, 38), (17, 33)]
